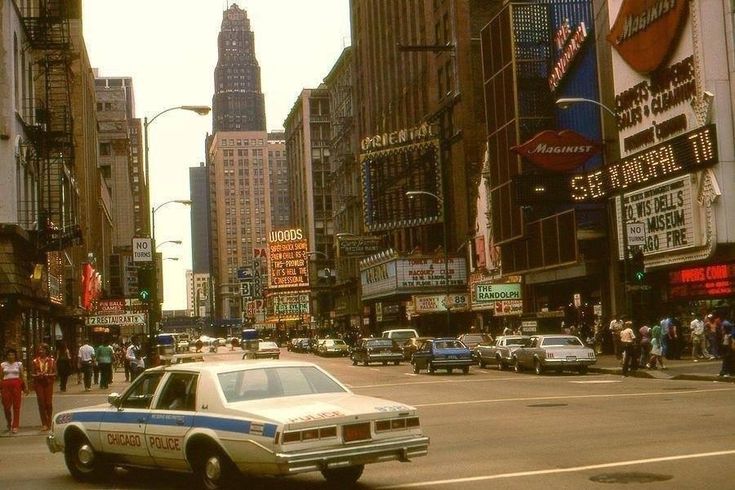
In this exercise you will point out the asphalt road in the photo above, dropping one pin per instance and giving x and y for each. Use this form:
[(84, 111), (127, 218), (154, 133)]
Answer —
[(488, 429)]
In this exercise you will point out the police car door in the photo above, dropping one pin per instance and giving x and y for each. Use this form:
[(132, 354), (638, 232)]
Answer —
[(170, 420), (122, 431)]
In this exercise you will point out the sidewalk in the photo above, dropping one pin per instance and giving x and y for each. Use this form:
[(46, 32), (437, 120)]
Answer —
[(684, 369)]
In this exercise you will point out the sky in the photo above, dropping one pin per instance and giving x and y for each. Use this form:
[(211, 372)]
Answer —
[(170, 49)]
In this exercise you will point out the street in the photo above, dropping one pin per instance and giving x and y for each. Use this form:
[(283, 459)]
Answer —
[(487, 428)]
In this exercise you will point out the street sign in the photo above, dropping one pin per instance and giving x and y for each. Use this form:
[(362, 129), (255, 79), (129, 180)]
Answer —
[(244, 273), (636, 234), (638, 287), (128, 319), (246, 289), (142, 250)]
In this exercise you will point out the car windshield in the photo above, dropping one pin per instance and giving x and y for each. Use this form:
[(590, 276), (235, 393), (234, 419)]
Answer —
[(474, 338), (380, 343), (407, 334), (267, 345), (519, 341), (276, 382), (449, 344), (561, 341), (335, 342)]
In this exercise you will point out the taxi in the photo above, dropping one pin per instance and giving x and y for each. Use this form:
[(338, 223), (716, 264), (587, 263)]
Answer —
[(222, 420)]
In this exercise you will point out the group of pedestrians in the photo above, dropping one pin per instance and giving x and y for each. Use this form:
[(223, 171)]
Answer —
[(94, 364), (711, 338)]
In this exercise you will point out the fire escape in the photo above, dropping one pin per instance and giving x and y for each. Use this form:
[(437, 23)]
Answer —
[(48, 121)]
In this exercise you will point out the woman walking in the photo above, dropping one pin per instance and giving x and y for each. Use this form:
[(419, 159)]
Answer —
[(656, 349), (63, 364), (104, 357), (13, 384), (44, 375)]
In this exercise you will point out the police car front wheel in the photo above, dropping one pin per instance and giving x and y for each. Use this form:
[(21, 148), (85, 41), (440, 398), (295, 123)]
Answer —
[(83, 462), (343, 476)]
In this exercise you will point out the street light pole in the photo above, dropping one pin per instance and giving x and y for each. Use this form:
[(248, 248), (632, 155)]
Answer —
[(202, 111), (440, 201)]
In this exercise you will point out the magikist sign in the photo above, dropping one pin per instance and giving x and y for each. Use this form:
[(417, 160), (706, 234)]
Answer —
[(558, 151)]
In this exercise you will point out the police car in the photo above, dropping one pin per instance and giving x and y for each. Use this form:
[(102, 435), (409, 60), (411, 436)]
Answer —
[(220, 420)]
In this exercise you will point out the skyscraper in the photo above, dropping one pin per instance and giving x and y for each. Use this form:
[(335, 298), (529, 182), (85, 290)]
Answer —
[(238, 103)]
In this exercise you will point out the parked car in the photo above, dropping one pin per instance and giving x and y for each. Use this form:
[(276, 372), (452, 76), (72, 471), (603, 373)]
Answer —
[(303, 345), (557, 352), (222, 421), (291, 346), (501, 351), (472, 340), (442, 353), (333, 347), (266, 350), (400, 334), (376, 350), (411, 345)]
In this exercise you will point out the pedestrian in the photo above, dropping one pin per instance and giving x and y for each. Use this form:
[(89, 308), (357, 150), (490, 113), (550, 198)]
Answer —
[(507, 330), (134, 358), (645, 336), (44, 376), (616, 326), (126, 363), (13, 384), (85, 360), (656, 349), (727, 331), (699, 350), (627, 344), (104, 355), (665, 325), (63, 364), (711, 331), (674, 339)]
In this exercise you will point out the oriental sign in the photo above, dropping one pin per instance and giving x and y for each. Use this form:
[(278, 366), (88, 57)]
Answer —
[(397, 138)]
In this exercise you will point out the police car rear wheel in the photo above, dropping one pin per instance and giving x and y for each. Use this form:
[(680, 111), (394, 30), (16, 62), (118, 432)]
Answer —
[(343, 477), (82, 460), (214, 470)]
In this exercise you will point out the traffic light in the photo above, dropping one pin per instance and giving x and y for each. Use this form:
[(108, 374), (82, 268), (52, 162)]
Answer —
[(146, 282), (637, 266)]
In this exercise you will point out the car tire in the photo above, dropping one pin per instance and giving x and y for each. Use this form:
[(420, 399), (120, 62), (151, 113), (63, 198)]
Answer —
[(482, 364), (517, 365), (416, 369), (466, 370), (82, 461), (365, 363), (538, 368), (430, 368), (213, 469), (354, 361), (449, 370), (385, 363), (343, 477), (500, 363), (396, 363), (582, 369)]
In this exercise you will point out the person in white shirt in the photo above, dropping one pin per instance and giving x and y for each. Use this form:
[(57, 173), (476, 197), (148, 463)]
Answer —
[(627, 342), (11, 387), (615, 327), (137, 364), (85, 361), (699, 342)]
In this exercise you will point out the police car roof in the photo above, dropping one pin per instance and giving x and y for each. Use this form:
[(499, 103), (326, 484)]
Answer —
[(228, 366)]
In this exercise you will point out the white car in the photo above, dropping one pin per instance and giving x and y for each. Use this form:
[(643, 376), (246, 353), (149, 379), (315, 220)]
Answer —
[(219, 420)]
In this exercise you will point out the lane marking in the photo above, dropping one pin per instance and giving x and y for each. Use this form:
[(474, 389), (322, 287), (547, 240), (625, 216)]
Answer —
[(575, 469), (443, 381), (410, 374), (602, 381), (569, 397)]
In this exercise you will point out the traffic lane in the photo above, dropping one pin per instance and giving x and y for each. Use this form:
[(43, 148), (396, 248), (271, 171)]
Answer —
[(517, 436)]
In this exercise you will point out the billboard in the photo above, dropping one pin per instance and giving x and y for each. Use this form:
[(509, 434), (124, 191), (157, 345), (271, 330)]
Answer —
[(289, 260)]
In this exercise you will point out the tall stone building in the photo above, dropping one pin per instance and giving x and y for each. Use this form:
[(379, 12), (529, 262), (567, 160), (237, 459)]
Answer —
[(199, 197), (238, 103), (418, 87), (247, 175), (308, 153)]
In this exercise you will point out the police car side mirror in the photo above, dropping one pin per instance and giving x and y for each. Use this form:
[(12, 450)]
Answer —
[(113, 399)]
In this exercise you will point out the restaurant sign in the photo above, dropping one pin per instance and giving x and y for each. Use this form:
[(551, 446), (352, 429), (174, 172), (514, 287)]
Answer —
[(709, 281)]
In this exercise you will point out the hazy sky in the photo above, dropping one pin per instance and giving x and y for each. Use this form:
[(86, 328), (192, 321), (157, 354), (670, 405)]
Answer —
[(170, 49)]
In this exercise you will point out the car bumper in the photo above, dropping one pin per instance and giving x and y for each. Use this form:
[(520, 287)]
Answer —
[(53, 445), (367, 453), (384, 357), (568, 362), (445, 363)]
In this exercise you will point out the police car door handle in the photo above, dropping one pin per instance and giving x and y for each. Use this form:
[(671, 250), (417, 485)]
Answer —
[(205, 407), (141, 420), (179, 422)]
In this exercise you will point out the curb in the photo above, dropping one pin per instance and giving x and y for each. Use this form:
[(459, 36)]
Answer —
[(675, 377)]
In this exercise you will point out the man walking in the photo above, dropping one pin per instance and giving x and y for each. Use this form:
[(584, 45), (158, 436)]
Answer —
[(627, 342), (104, 361), (134, 359), (698, 339), (616, 326), (85, 361)]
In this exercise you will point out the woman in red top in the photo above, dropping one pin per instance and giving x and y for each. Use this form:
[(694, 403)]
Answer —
[(44, 375), (11, 387)]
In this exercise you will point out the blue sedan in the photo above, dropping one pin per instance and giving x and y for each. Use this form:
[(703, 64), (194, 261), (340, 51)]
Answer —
[(442, 353)]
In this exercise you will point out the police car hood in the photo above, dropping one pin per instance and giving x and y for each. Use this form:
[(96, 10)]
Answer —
[(319, 409)]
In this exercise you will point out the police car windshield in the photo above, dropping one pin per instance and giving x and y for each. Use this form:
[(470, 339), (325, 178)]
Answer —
[(276, 382)]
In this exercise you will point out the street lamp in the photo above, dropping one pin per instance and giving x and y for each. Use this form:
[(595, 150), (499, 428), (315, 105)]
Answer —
[(565, 102), (440, 201), (171, 258), (176, 242)]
